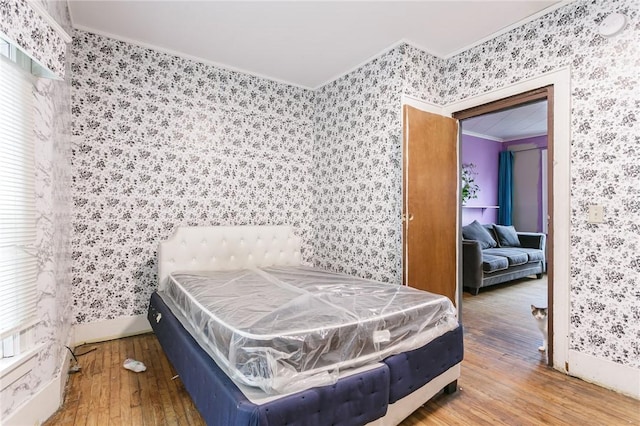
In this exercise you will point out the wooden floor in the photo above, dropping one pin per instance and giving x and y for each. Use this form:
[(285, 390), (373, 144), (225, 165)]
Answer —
[(504, 378)]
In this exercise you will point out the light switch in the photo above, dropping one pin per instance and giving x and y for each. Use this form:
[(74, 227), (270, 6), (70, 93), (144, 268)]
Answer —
[(596, 213)]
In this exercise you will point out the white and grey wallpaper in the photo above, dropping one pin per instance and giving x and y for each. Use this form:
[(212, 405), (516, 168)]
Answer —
[(358, 162), (423, 75), (53, 183), (605, 156), (24, 26), (161, 142), (357, 156)]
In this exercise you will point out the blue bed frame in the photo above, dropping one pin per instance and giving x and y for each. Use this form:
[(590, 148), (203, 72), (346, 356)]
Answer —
[(354, 400)]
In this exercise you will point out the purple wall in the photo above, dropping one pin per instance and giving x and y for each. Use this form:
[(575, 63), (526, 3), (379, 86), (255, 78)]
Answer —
[(484, 154)]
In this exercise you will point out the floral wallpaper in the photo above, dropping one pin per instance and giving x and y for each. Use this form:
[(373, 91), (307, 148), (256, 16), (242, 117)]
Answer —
[(357, 155), (53, 179), (24, 26), (423, 75), (605, 156), (159, 138), (358, 162), (161, 142)]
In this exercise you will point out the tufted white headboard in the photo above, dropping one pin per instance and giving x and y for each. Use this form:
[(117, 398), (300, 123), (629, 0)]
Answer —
[(221, 248)]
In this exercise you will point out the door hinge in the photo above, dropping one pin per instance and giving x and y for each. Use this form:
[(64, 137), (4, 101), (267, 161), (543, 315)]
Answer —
[(409, 218)]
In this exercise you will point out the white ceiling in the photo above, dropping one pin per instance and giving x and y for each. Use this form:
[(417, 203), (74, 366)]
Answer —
[(304, 43), (511, 124)]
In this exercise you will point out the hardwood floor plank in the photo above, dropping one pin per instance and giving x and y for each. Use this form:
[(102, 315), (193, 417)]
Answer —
[(115, 385), (96, 387), (182, 406), (126, 405), (504, 378), (504, 373), (160, 381), (104, 394), (84, 390), (135, 389)]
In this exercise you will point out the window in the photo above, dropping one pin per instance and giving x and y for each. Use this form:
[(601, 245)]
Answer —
[(18, 261)]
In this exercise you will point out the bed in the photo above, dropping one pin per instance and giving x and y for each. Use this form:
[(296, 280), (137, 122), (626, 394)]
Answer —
[(318, 348)]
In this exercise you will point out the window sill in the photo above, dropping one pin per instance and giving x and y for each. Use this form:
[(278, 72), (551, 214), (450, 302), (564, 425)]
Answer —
[(12, 369), (18, 329)]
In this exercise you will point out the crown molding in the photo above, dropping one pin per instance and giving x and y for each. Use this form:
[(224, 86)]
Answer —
[(185, 56), (481, 136)]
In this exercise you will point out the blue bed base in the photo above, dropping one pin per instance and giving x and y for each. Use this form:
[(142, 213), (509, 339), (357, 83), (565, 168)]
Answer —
[(354, 400), (411, 370)]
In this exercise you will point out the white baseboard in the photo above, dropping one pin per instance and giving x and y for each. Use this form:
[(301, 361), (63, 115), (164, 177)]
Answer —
[(102, 331), (64, 373), (608, 374), (44, 403)]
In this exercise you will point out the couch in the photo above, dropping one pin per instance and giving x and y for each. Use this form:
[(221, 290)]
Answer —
[(494, 254)]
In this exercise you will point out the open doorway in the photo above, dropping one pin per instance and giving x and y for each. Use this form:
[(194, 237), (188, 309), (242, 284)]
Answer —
[(521, 127), (521, 130)]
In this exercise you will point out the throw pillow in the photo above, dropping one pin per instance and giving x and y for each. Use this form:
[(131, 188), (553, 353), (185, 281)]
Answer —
[(475, 231), (507, 236)]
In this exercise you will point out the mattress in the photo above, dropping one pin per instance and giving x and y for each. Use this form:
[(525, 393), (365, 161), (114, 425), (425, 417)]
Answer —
[(356, 399), (283, 329)]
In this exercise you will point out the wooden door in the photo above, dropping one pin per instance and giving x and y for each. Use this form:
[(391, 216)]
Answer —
[(430, 191)]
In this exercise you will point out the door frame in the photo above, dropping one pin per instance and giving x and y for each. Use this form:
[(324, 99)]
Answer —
[(536, 95), (560, 199)]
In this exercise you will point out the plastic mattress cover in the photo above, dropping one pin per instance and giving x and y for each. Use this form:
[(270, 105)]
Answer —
[(284, 329)]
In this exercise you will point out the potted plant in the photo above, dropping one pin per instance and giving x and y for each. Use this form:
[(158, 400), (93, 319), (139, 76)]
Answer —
[(469, 189)]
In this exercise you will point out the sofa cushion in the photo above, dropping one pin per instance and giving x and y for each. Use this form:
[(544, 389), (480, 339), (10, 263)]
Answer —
[(514, 256), (494, 263), (475, 231), (534, 255), (507, 236)]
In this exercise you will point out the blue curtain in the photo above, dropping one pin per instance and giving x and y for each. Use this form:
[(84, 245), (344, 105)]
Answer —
[(505, 187)]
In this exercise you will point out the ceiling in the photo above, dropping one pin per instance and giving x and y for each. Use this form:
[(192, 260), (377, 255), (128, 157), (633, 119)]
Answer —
[(303, 43), (511, 124)]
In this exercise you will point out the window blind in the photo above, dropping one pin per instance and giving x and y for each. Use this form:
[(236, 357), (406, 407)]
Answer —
[(18, 263)]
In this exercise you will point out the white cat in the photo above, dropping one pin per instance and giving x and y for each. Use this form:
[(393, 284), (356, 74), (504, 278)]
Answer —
[(540, 315)]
